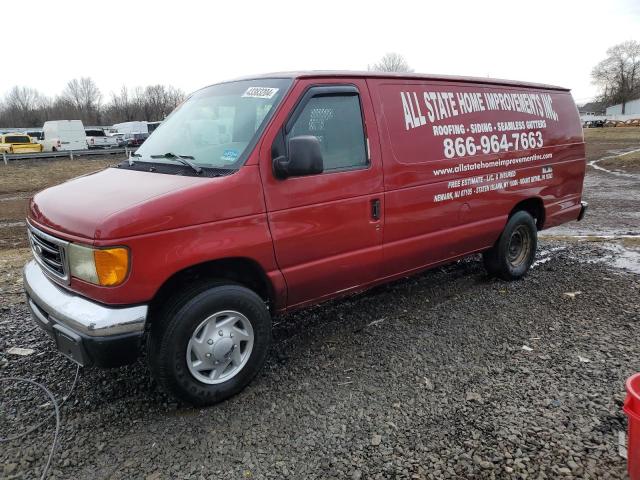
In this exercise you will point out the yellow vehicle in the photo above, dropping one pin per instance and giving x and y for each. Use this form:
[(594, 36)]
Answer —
[(18, 143)]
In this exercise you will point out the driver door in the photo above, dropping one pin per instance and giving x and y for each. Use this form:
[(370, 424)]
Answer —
[(327, 228)]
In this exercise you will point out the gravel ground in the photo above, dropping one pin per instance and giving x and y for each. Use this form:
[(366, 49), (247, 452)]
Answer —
[(424, 378)]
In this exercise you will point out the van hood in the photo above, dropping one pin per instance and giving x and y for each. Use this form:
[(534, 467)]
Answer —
[(115, 203)]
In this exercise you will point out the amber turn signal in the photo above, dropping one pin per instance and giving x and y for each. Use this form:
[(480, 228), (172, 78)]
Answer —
[(112, 265)]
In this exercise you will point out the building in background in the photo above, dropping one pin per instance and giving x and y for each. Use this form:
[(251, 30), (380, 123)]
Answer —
[(592, 108), (631, 107)]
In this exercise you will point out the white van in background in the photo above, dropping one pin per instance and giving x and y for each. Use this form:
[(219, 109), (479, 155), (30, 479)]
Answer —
[(131, 127), (63, 135)]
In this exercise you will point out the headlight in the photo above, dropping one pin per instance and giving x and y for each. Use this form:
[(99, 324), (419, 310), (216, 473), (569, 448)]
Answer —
[(101, 266)]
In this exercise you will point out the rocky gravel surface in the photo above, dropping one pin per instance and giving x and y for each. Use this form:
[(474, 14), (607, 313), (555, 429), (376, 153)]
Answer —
[(450, 374)]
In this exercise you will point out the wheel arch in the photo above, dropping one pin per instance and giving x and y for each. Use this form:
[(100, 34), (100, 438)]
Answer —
[(241, 270), (535, 207)]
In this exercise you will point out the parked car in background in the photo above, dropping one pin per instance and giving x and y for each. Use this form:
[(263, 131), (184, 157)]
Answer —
[(96, 138), (63, 135), (35, 135), (135, 139), (120, 140), (18, 143)]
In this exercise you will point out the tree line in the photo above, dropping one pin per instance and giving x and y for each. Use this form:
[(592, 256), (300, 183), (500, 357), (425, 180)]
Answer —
[(618, 75), (81, 99)]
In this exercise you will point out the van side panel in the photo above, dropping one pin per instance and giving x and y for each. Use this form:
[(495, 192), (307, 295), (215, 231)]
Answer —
[(459, 156)]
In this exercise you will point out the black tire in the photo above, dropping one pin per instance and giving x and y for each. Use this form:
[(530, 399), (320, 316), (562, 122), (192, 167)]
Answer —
[(181, 316), (512, 255)]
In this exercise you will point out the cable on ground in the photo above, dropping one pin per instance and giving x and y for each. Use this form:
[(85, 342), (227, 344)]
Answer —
[(56, 413)]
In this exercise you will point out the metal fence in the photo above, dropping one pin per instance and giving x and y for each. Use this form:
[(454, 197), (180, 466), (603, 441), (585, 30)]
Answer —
[(9, 157)]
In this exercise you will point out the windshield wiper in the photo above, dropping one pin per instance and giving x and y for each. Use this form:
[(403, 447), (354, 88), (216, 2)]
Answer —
[(183, 159)]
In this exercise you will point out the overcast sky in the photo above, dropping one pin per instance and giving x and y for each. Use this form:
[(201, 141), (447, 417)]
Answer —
[(190, 44)]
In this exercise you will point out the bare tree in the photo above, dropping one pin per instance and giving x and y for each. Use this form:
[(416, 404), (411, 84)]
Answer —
[(23, 106), (122, 106), (153, 102), (391, 62), (61, 109), (85, 96), (157, 101), (81, 99), (618, 75)]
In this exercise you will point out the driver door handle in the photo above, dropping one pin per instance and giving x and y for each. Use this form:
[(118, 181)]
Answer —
[(375, 209)]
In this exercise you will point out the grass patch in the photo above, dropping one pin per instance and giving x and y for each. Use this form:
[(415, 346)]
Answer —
[(11, 263), (602, 142), (612, 133), (32, 176), (625, 161), (20, 179)]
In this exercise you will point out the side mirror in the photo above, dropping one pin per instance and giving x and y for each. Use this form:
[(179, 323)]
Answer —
[(305, 158)]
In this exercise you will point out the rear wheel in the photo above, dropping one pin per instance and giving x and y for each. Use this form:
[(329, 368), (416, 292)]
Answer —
[(210, 342), (512, 255)]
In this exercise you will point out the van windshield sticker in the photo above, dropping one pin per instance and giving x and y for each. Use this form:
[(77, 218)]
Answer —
[(229, 156), (260, 92)]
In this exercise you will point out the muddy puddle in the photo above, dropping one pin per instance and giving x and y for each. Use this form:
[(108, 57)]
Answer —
[(618, 251)]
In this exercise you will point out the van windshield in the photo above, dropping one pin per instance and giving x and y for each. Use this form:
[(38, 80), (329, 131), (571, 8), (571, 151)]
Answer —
[(218, 125)]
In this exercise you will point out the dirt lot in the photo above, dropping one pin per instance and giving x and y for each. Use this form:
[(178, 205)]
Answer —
[(627, 162), (450, 374), (612, 184), (21, 179), (603, 142)]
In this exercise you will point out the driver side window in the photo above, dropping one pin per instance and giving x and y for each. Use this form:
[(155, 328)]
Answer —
[(336, 121)]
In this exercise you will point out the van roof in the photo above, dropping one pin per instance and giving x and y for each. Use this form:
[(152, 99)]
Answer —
[(402, 76)]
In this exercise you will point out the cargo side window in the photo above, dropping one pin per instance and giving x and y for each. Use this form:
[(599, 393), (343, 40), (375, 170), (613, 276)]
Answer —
[(336, 120)]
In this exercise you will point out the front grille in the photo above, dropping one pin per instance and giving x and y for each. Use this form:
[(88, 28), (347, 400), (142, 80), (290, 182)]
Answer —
[(49, 252)]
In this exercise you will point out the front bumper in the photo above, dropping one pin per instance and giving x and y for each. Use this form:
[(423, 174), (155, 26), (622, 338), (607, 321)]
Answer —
[(87, 332)]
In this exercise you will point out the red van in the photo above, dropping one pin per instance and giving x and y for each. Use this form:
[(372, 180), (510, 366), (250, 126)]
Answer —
[(272, 193)]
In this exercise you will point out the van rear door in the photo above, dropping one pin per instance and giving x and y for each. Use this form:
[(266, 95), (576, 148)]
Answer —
[(326, 228)]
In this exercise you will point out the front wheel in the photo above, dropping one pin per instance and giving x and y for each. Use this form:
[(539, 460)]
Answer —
[(512, 255), (210, 342)]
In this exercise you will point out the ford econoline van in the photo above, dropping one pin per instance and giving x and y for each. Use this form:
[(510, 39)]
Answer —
[(272, 193), (61, 135)]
